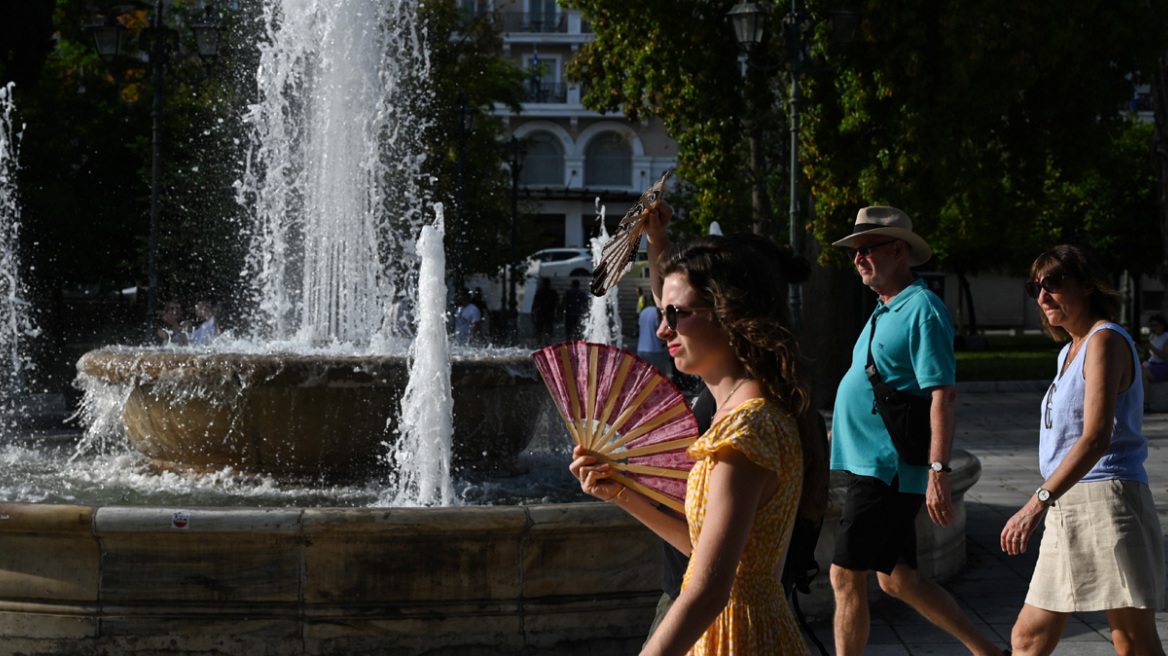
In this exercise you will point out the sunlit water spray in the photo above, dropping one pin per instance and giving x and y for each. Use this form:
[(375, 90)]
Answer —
[(15, 322), (333, 200), (603, 324), (333, 186), (422, 454)]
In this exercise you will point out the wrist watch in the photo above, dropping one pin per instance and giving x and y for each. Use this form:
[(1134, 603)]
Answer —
[(940, 467), (1044, 496)]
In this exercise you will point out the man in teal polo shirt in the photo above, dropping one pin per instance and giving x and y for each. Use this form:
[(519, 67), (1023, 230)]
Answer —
[(912, 346)]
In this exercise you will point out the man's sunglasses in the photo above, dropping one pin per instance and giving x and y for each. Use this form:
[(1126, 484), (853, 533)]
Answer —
[(867, 250), (673, 312), (1052, 284)]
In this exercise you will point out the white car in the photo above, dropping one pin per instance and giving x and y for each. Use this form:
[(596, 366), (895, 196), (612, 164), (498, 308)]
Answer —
[(552, 262)]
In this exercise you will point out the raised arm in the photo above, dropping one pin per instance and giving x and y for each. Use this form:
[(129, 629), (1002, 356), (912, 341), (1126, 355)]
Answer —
[(656, 225)]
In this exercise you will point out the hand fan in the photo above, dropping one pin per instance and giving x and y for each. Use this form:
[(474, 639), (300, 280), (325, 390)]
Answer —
[(621, 250), (625, 412)]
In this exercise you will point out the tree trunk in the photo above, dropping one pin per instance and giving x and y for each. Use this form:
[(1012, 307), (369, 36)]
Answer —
[(967, 293), (760, 202)]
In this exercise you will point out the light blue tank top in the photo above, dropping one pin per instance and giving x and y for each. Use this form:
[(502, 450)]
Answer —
[(1062, 420)]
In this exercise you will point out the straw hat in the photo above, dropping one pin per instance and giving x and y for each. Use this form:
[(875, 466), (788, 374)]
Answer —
[(883, 220)]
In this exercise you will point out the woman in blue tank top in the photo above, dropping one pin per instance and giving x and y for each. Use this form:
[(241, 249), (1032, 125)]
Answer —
[(1102, 547)]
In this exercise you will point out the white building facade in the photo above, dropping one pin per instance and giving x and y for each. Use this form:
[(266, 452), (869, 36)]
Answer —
[(573, 155)]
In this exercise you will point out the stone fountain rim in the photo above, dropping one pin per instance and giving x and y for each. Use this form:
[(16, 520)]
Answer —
[(120, 365)]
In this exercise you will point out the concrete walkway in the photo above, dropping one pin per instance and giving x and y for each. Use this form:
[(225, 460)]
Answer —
[(998, 422)]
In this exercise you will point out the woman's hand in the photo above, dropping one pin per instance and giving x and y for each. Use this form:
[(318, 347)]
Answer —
[(594, 479), (657, 221), (1016, 534)]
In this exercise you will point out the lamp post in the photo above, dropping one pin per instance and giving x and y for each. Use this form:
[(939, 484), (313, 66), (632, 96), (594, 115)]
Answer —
[(159, 41), (749, 21), (515, 161), (466, 117)]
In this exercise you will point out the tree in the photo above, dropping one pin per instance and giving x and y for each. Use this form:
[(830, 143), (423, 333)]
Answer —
[(685, 71), (970, 116), (467, 67)]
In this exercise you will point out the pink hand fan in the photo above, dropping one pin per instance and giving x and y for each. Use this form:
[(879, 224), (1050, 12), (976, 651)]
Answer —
[(626, 412)]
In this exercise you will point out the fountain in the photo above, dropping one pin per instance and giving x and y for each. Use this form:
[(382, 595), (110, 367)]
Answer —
[(15, 323), (309, 396), (333, 202)]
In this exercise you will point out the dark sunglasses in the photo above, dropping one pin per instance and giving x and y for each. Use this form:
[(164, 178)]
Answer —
[(673, 313), (867, 250), (1052, 284)]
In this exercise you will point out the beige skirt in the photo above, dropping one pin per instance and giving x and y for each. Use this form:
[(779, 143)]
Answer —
[(1102, 548)]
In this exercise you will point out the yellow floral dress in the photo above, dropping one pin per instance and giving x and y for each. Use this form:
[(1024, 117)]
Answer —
[(757, 619)]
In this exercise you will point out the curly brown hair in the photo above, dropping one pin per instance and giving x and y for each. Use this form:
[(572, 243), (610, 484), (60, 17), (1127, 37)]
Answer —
[(743, 277)]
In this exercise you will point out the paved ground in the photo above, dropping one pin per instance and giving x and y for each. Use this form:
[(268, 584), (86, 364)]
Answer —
[(998, 422)]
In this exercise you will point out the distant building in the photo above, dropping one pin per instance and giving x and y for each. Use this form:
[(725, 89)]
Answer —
[(573, 154)]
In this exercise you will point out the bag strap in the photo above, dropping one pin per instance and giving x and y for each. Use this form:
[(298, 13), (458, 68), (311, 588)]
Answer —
[(870, 369)]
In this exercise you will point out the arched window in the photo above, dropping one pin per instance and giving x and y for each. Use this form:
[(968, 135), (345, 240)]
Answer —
[(544, 162), (608, 161)]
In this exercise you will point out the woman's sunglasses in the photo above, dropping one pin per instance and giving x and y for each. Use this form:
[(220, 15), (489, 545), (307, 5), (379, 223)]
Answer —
[(1052, 284), (674, 312)]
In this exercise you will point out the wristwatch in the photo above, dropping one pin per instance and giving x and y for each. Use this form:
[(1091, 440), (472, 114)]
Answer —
[(1044, 496), (940, 467)]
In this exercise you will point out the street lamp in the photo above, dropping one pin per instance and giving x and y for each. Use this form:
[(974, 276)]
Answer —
[(466, 119), (749, 21), (159, 41), (515, 153)]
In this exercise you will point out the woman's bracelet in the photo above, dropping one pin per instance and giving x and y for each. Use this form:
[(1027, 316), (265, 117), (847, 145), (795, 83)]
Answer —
[(616, 497)]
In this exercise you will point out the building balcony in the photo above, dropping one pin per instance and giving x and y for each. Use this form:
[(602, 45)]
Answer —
[(546, 93), (522, 21)]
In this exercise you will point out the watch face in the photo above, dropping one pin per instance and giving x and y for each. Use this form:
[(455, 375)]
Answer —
[(1044, 495), (937, 466)]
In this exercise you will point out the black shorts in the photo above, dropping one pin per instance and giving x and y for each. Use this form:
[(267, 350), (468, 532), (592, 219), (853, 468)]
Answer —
[(877, 529)]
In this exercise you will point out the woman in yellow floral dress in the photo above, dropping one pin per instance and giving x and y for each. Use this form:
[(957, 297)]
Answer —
[(756, 467)]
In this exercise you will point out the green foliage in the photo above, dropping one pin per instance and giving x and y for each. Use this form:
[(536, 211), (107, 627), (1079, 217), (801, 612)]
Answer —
[(683, 69), (993, 124), (466, 65), (984, 121), (1010, 357)]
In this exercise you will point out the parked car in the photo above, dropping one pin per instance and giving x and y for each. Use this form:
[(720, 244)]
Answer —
[(552, 262)]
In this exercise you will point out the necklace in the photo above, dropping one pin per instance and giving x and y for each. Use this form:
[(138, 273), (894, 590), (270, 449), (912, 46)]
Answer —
[(732, 391)]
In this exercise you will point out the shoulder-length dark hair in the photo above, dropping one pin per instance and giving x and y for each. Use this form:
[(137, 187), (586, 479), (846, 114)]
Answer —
[(1078, 263), (744, 277)]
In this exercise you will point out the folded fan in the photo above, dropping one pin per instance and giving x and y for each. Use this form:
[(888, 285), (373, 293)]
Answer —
[(620, 251), (625, 412)]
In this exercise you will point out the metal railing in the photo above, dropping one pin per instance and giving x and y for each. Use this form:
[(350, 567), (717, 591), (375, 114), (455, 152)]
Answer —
[(522, 21), (546, 92)]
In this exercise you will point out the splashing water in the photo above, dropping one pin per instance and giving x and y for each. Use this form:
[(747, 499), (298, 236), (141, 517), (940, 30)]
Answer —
[(15, 322), (336, 153), (423, 451), (603, 324)]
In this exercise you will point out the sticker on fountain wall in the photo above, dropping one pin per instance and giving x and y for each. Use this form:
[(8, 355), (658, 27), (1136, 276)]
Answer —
[(181, 519)]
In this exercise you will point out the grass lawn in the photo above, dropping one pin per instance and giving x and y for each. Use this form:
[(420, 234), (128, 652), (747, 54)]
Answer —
[(1010, 357)]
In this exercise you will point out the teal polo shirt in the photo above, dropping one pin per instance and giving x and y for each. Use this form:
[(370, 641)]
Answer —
[(913, 350)]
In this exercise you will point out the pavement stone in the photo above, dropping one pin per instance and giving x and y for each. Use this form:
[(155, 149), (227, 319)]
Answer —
[(998, 423)]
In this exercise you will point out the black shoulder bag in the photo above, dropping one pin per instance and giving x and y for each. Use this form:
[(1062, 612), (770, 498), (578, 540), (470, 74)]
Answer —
[(906, 416)]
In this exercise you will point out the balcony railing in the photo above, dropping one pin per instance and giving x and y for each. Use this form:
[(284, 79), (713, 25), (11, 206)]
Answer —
[(546, 92), (517, 21)]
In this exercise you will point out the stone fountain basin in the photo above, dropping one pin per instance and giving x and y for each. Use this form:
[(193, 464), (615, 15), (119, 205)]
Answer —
[(553, 579), (307, 416)]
